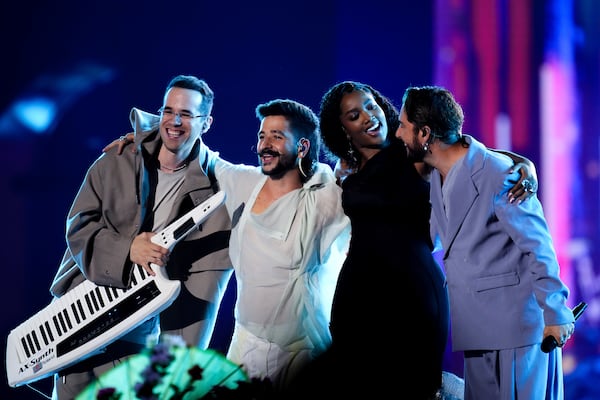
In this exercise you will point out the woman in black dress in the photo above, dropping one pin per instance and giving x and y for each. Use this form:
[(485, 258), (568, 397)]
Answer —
[(390, 317)]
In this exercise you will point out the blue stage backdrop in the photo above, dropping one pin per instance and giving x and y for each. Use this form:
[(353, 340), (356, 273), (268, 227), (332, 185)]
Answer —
[(72, 71)]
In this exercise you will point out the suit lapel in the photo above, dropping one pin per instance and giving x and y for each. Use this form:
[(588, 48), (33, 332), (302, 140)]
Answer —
[(462, 197), (438, 209), (463, 194)]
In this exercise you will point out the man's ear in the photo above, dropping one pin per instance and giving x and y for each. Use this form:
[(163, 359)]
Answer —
[(207, 124), (303, 146)]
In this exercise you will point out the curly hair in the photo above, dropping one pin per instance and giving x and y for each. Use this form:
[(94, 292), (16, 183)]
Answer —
[(335, 140)]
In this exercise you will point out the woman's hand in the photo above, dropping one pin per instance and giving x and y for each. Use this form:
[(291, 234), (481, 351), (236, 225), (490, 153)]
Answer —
[(342, 170), (527, 185), (121, 143)]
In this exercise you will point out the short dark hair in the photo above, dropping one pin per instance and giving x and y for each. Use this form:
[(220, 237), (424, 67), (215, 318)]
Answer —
[(435, 107), (199, 85), (303, 122)]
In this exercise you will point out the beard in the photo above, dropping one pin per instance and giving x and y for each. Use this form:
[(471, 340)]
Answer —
[(416, 152), (285, 163)]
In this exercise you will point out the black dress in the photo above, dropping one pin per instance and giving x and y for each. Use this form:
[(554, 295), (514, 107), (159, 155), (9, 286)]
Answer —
[(390, 315)]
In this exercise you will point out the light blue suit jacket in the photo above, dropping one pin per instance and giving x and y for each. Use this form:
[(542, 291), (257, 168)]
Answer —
[(502, 270)]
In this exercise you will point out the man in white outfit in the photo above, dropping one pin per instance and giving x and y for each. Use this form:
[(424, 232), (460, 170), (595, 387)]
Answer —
[(288, 241)]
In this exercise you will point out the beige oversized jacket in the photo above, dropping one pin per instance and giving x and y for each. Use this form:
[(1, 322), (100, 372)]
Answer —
[(108, 211)]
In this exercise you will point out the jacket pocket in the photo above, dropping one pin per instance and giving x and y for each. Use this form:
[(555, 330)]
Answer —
[(496, 281)]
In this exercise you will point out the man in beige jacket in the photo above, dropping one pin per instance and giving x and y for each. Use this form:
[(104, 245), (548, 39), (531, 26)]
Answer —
[(122, 200)]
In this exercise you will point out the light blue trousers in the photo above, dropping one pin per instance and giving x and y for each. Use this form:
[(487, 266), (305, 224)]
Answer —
[(524, 373)]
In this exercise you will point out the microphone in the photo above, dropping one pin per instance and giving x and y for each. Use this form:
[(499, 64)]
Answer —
[(550, 342)]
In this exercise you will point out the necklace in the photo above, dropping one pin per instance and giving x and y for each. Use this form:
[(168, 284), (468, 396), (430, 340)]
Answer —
[(182, 166)]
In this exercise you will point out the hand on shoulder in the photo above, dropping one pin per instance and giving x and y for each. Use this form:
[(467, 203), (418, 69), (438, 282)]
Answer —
[(121, 143)]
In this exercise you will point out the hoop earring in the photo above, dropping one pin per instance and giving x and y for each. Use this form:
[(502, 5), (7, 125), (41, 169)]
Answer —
[(301, 170)]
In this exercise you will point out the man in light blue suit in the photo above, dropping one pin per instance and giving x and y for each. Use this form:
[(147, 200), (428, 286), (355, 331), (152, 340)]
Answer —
[(505, 290)]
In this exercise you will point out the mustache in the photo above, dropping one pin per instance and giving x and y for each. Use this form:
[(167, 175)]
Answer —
[(267, 152)]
